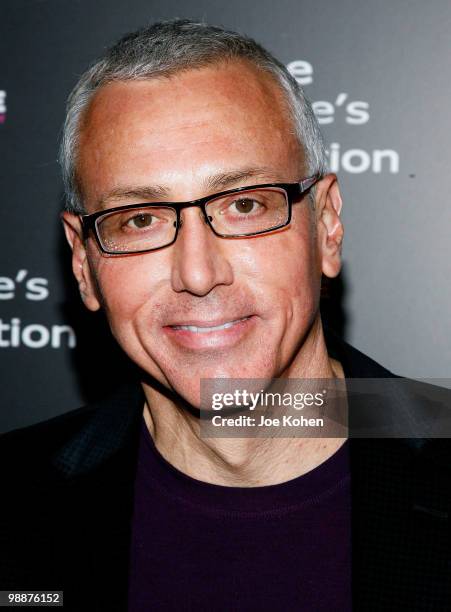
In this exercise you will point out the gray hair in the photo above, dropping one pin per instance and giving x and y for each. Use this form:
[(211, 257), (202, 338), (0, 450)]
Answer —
[(164, 49)]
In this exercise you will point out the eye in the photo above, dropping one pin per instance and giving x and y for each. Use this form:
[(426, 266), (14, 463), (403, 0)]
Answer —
[(245, 205), (140, 221)]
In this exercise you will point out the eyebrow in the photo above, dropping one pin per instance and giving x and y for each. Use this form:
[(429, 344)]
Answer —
[(216, 182)]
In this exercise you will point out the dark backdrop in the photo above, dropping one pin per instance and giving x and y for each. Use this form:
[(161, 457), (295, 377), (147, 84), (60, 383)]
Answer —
[(378, 73)]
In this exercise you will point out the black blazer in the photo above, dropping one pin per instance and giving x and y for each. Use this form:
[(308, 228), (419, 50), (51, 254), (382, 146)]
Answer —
[(67, 495)]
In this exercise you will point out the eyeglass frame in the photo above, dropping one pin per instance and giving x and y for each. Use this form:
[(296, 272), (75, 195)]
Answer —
[(292, 191)]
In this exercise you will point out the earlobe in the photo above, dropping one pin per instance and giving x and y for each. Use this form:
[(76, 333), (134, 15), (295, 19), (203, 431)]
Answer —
[(80, 263), (330, 227)]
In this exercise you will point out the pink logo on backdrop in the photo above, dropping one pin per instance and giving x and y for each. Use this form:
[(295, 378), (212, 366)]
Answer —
[(2, 106)]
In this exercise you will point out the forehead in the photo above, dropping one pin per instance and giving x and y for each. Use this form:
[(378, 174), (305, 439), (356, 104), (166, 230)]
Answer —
[(185, 127)]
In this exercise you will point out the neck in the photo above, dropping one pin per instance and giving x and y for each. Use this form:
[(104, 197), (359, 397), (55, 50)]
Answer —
[(244, 462)]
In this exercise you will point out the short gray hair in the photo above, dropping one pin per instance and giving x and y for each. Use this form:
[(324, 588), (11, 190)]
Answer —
[(163, 49)]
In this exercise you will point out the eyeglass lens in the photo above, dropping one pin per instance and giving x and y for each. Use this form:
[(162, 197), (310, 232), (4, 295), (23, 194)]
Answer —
[(246, 212)]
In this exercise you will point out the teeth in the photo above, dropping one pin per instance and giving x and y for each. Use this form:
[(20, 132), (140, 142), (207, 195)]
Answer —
[(194, 328)]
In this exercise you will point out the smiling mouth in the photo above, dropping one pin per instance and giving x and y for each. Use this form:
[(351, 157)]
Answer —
[(202, 330)]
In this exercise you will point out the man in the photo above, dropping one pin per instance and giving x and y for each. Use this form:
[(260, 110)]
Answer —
[(201, 219)]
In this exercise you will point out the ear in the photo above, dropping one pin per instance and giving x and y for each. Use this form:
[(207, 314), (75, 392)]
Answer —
[(329, 225), (80, 263)]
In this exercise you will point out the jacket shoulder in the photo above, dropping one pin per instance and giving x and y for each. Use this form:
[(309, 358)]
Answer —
[(28, 449), (72, 442)]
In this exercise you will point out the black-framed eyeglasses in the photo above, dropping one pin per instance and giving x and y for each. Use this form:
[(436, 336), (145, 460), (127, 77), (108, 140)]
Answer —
[(236, 213)]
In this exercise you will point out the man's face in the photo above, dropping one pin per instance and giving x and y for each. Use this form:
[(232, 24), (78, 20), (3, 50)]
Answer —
[(184, 137)]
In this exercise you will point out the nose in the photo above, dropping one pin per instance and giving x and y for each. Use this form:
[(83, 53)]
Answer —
[(200, 260)]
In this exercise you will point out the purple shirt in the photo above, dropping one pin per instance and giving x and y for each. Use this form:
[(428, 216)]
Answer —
[(199, 546)]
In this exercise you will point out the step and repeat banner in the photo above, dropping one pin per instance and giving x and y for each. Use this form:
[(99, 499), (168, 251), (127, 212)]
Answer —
[(378, 77)]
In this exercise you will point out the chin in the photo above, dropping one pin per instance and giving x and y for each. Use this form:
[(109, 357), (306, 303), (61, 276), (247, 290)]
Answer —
[(197, 390)]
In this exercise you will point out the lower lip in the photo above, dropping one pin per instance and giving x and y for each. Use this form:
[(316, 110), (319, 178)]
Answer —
[(221, 338)]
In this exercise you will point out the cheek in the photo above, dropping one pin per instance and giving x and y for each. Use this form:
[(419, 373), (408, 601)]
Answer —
[(302, 257), (124, 285), (285, 265)]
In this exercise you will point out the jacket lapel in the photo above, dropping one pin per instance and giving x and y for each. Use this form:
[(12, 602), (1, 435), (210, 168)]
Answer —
[(400, 526), (95, 499)]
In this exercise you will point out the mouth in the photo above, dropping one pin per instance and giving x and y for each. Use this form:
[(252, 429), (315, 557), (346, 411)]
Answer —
[(209, 335), (205, 329)]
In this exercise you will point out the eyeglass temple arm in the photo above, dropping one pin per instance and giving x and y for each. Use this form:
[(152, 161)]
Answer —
[(86, 225), (309, 182)]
